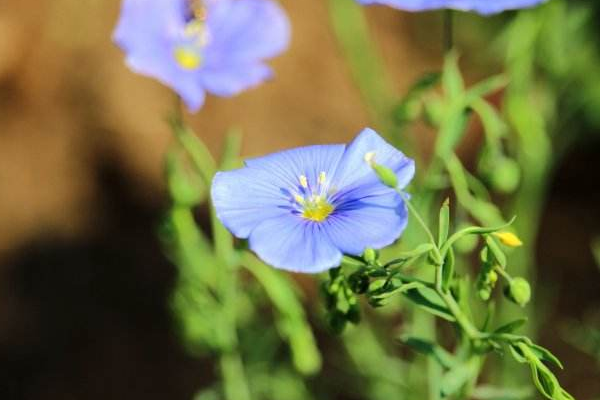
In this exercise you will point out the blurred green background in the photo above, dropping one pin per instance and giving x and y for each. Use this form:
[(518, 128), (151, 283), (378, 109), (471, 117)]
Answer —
[(84, 286)]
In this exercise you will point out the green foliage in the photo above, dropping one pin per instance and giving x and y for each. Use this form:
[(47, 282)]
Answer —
[(447, 297), (207, 302)]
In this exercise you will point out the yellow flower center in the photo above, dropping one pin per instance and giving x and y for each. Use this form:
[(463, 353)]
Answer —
[(195, 37), (318, 209), (314, 207), (187, 58)]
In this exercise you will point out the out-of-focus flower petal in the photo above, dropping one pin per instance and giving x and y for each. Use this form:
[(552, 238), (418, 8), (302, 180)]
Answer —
[(246, 30), (222, 54), (484, 7), (230, 80)]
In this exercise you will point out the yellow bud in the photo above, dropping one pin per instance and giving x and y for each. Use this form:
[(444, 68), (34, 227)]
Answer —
[(509, 239)]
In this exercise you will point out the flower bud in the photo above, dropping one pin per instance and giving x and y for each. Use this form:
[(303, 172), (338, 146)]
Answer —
[(505, 176), (509, 239), (519, 291), (486, 282), (358, 282), (370, 256), (385, 175)]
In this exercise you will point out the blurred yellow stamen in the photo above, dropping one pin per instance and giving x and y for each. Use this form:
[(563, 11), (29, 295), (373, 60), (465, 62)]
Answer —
[(187, 58)]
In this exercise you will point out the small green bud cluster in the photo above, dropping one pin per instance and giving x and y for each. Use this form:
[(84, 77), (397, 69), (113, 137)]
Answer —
[(340, 299)]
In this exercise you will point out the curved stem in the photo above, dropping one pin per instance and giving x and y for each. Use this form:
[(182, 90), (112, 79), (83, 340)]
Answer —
[(461, 319)]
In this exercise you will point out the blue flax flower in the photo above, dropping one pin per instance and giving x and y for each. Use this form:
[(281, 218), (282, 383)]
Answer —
[(302, 209), (484, 7), (196, 46)]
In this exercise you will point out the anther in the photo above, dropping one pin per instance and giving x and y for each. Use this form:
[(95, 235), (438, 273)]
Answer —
[(303, 181), (370, 157), (322, 178)]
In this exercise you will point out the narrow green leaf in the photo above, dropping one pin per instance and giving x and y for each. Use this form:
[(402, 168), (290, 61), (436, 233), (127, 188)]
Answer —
[(431, 349), (545, 355), (452, 81), (444, 222), (452, 129), (448, 270), (365, 62), (404, 256), (596, 250), (486, 87), (511, 326), (485, 392), (517, 353), (428, 300), (473, 230)]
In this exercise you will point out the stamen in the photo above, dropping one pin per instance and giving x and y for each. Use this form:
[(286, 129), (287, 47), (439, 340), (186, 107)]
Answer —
[(322, 178), (299, 199), (370, 157), (198, 10), (187, 58), (303, 181)]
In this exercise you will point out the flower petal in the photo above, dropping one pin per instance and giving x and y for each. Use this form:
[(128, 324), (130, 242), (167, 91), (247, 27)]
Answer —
[(142, 22), (354, 170), (245, 197), (484, 7), (245, 30), (230, 80), (287, 166), (294, 244), (375, 222), (148, 32)]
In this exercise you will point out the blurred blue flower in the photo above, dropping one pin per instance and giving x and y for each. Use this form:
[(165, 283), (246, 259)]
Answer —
[(484, 7), (302, 209), (194, 46)]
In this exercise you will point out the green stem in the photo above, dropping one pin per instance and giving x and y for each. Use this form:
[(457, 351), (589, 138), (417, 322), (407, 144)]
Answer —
[(461, 319), (235, 385), (421, 222), (234, 380), (504, 274)]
